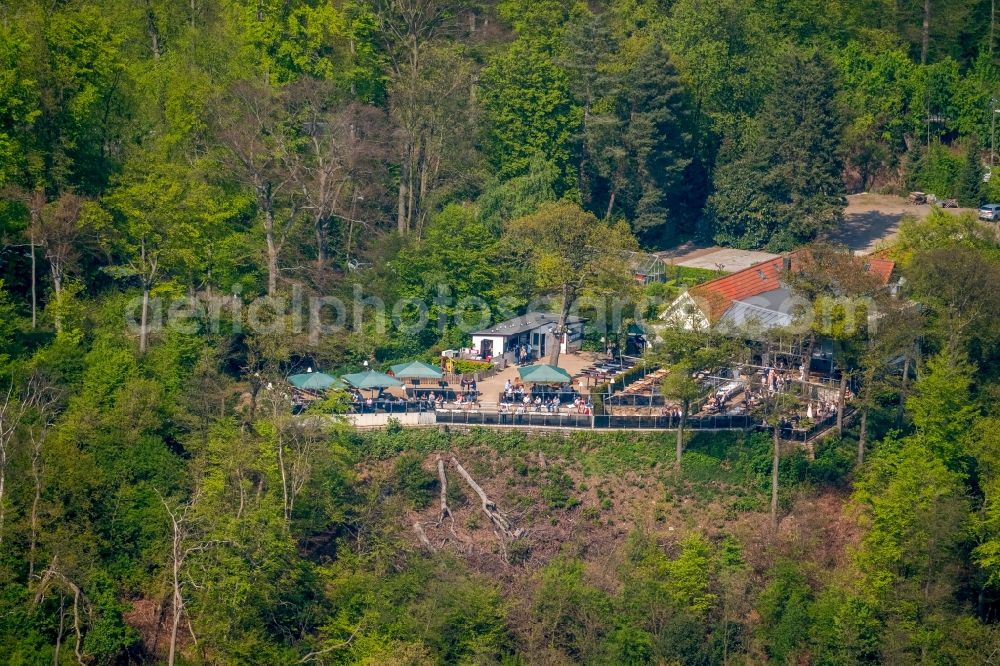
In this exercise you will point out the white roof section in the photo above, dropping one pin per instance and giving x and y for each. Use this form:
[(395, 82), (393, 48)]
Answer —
[(725, 259)]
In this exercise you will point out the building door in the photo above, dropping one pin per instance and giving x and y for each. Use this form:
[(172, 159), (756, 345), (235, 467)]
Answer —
[(538, 344), (486, 348)]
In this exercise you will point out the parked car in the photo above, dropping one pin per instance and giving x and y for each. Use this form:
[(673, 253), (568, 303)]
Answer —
[(989, 212)]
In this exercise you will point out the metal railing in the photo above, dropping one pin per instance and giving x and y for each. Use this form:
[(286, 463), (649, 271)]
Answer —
[(480, 417), (817, 427), (392, 407), (489, 415)]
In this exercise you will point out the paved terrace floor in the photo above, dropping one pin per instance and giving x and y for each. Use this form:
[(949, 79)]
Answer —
[(574, 363)]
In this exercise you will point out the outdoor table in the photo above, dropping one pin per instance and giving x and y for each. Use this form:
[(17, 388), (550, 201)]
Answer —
[(729, 390)]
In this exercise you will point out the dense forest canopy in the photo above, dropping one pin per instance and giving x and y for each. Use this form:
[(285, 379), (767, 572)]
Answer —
[(268, 174), (683, 118)]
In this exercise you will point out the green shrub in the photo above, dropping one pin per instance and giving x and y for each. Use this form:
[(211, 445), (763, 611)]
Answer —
[(414, 482), (937, 171), (834, 462), (785, 609), (700, 468), (558, 489), (518, 551), (462, 366)]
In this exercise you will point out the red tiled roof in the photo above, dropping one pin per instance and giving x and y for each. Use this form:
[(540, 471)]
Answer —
[(881, 267), (717, 296)]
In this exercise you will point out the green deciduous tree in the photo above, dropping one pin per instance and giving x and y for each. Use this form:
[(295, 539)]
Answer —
[(687, 354), (164, 219), (436, 111), (878, 92), (18, 104), (572, 615), (942, 407), (508, 200), (529, 112), (8, 327), (956, 280), (785, 609), (912, 508), (87, 105), (569, 251)]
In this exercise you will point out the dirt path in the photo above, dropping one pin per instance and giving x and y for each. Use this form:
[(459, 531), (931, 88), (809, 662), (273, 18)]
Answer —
[(870, 220)]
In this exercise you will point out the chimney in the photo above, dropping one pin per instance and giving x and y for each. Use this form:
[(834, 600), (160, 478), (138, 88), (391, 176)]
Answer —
[(786, 263)]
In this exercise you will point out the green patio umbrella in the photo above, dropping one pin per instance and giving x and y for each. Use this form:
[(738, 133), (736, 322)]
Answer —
[(371, 380), (544, 374), (315, 381), (416, 370)]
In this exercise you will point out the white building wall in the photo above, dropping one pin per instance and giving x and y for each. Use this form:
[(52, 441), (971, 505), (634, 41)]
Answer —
[(498, 342), (684, 311)]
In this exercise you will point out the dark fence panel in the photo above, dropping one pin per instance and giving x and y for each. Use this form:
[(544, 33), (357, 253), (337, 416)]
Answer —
[(473, 417)]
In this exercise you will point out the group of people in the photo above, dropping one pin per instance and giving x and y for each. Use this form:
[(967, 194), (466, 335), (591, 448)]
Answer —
[(469, 387), (715, 404), (516, 397), (550, 405), (523, 354), (823, 410), (512, 391), (777, 376), (467, 398)]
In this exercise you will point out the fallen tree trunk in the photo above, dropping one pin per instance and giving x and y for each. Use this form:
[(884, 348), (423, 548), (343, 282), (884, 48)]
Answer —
[(443, 479), (489, 507)]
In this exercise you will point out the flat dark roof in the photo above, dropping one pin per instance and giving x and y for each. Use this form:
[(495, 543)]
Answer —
[(525, 323)]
